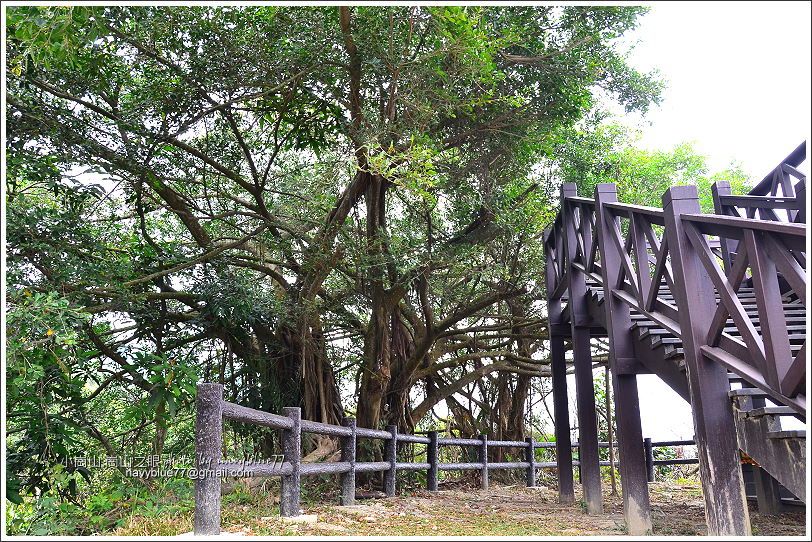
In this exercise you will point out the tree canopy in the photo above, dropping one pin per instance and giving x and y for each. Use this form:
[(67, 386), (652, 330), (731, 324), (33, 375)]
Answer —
[(338, 208)]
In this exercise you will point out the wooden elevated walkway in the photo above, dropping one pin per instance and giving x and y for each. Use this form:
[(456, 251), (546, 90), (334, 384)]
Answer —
[(715, 306)]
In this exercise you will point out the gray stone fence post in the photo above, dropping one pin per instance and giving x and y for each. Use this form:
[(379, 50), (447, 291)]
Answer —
[(292, 450), (348, 445), (649, 459), (432, 456), (531, 459), (391, 456), (483, 458), (208, 445)]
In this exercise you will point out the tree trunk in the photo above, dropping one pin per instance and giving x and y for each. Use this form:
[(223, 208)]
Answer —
[(303, 372), (401, 376), (378, 344)]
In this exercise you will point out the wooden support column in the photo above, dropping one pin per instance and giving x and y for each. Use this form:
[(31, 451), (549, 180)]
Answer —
[(208, 445), (580, 322), (588, 454), (717, 448), (623, 364), (563, 439), (558, 369), (610, 424), (768, 492)]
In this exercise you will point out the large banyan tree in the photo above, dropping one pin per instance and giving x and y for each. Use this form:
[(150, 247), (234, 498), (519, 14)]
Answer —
[(326, 206)]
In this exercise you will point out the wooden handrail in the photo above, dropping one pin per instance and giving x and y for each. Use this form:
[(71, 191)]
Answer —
[(794, 159), (783, 250)]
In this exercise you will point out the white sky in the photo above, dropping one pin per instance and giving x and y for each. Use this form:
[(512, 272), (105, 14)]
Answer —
[(739, 86), (738, 79)]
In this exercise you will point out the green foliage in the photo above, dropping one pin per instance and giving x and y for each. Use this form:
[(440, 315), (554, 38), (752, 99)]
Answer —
[(601, 152), (173, 385), (46, 372), (49, 35), (190, 195), (102, 509)]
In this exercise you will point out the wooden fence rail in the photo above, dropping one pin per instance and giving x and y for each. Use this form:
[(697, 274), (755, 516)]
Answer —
[(212, 410)]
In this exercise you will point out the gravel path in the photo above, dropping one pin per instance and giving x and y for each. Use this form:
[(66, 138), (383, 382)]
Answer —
[(677, 510)]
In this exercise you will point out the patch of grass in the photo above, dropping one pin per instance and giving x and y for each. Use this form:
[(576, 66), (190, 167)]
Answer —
[(167, 524)]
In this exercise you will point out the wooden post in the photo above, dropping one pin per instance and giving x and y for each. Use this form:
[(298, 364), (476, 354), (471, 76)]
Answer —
[(607, 387), (728, 246), (717, 447), (483, 458), (391, 456), (800, 198), (531, 458), (768, 492), (292, 450), (432, 456), (588, 451), (348, 445), (558, 369), (580, 321), (208, 444), (563, 439), (623, 364), (649, 459)]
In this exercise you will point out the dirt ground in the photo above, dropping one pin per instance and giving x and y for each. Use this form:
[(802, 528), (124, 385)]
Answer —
[(508, 510)]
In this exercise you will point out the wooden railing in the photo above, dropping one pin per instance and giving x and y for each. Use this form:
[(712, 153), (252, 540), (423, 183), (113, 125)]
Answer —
[(212, 410), (780, 179), (780, 197), (769, 256), (726, 290), (762, 354)]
